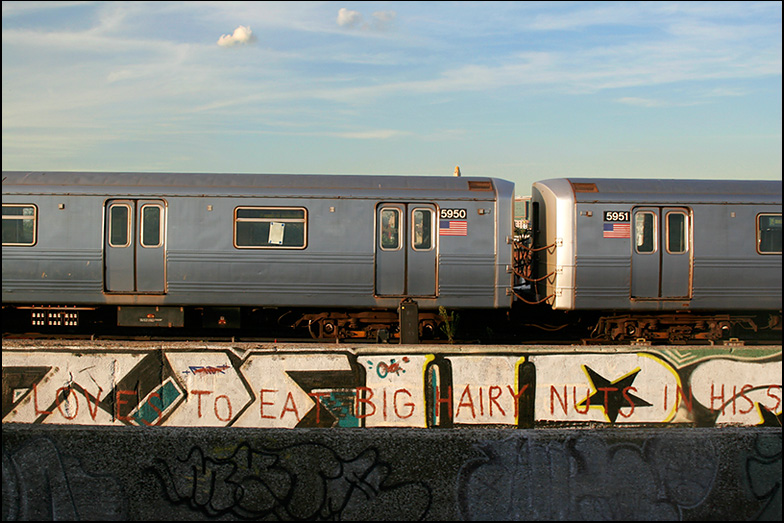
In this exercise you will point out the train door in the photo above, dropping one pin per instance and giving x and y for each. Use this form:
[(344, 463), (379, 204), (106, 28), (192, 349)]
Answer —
[(661, 253), (134, 247), (406, 249)]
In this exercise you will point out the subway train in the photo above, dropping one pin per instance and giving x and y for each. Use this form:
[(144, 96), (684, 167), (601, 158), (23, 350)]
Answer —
[(341, 257)]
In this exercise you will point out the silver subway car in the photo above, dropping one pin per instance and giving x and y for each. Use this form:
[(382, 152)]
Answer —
[(658, 245), (154, 245)]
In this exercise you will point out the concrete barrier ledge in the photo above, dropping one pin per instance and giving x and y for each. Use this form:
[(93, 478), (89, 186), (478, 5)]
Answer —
[(186, 383)]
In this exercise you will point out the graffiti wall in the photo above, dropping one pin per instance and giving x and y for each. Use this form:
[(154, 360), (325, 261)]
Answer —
[(234, 385), (55, 472)]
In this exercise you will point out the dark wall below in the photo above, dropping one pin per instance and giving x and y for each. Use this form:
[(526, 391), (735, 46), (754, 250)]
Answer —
[(171, 473)]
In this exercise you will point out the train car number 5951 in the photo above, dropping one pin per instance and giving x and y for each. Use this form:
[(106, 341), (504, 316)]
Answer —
[(616, 216)]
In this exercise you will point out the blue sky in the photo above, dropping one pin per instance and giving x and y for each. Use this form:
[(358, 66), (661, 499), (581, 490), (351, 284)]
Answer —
[(519, 90)]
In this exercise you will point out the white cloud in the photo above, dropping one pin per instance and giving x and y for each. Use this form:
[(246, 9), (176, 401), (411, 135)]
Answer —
[(241, 36), (348, 18)]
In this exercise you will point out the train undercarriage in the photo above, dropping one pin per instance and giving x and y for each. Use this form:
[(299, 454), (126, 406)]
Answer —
[(522, 325), (684, 328)]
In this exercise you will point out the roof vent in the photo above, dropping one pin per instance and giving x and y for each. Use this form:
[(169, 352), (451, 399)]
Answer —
[(480, 185), (585, 187)]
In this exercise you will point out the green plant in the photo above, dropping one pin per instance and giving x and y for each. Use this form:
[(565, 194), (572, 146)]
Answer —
[(449, 325)]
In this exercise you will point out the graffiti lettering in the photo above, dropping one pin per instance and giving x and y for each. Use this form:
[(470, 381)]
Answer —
[(586, 401), (680, 394), (339, 389), (482, 401), (289, 405), (120, 402), (209, 369), (63, 393), (410, 405), (154, 407), (228, 408), (773, 388), (35, 402), (393, 367), (742, 394), (299, 482), (199, 394), (95, 401), (364, 401), (400, 403)]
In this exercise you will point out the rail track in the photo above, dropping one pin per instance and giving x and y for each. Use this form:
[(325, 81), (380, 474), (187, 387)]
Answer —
[(243, 338)]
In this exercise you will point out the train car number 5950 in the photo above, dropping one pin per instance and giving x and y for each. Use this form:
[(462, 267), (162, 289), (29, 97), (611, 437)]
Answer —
[(459, 214)]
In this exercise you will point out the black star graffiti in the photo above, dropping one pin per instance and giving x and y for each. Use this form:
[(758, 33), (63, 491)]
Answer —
[(612, 395), (769, 418)]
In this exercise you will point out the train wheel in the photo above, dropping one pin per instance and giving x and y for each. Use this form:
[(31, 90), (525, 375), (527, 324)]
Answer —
[(630, 329)]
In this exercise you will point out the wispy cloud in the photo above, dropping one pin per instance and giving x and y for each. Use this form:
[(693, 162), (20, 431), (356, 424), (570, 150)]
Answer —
[(381, 20), (376, 134), (652, 102)]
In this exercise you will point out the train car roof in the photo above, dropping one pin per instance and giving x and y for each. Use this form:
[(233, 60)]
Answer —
[(346, 186), (631, 190)]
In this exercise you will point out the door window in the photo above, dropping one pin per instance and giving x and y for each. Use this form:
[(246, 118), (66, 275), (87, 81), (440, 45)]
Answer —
[(151, 226), (390, 229), (677, 238), (422, 230), (119, 225), (645, 232)]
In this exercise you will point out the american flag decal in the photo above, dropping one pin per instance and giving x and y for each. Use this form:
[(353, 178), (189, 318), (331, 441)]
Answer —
[(617, 230), (453, 228)]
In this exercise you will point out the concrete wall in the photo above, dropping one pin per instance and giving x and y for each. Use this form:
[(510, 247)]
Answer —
[(191, 431), (55, 472), (371, 386)]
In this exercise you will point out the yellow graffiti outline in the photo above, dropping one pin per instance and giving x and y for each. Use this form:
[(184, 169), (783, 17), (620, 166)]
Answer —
[(661, 361), (428, 359), (758, 408), (519, 362)]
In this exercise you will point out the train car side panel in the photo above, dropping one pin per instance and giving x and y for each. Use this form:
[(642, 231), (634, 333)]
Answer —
[(662, 245), (729, 270), (66, 257)]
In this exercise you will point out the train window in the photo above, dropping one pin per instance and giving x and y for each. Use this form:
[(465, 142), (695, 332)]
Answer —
[(270, 228), (422, 229), (645, 232), (119, 225), (768, 233), (390, 229), (152, 226), (19, 224), (677, 233)]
